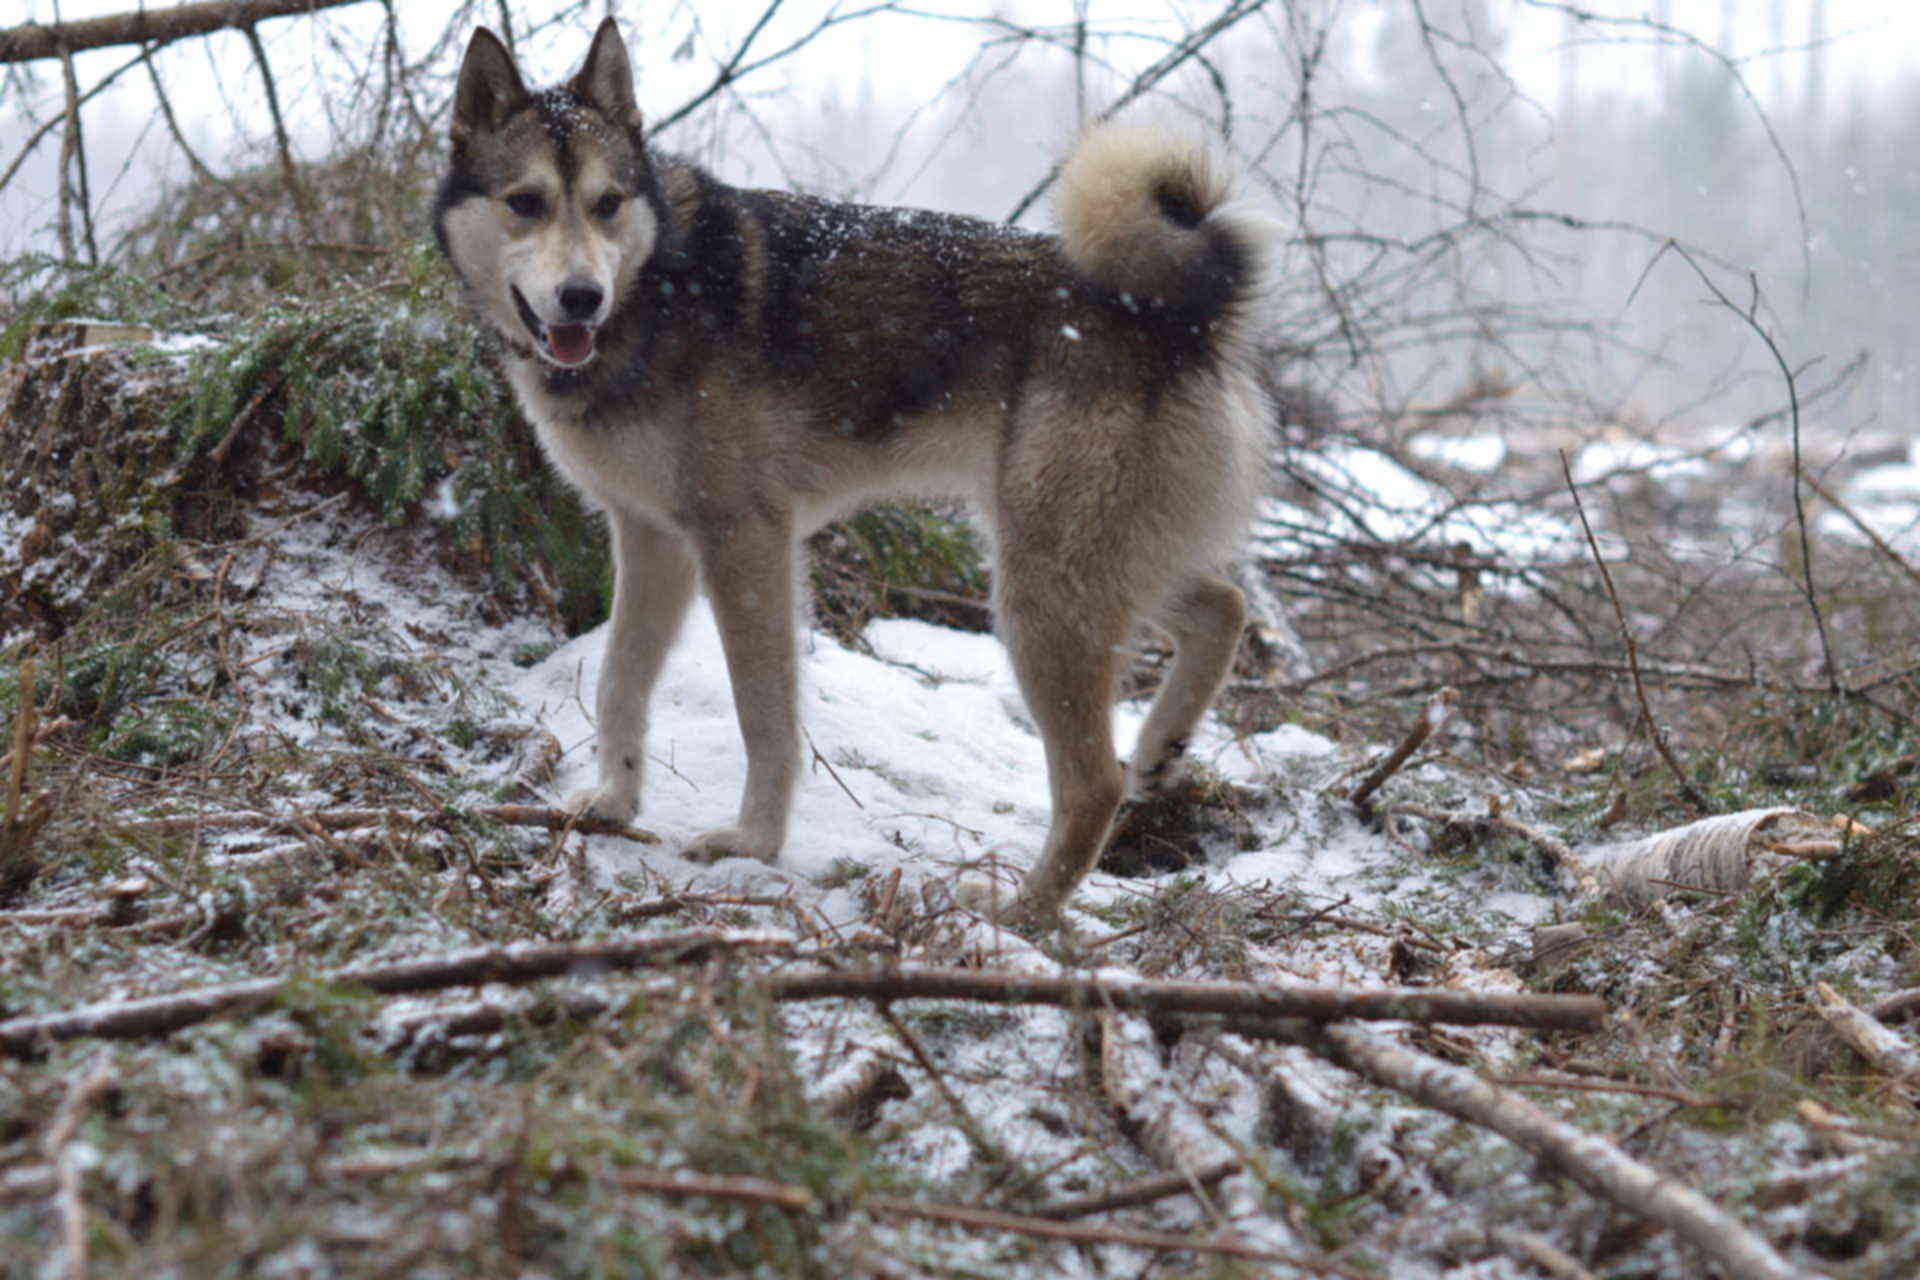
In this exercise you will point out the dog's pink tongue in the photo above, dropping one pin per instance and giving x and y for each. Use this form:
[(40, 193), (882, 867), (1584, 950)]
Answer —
[(570, 343)]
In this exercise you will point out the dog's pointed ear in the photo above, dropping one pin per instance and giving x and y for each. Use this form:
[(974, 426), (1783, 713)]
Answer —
[(605, 79), (489, 90)]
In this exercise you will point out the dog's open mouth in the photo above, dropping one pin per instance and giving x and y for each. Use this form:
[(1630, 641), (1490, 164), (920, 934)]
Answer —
[(567, 345)]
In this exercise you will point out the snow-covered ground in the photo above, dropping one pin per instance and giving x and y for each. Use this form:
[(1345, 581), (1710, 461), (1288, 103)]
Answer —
[(922, 757)]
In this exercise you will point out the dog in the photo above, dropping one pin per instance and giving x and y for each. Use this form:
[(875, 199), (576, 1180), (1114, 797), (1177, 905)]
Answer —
[(723, 370)]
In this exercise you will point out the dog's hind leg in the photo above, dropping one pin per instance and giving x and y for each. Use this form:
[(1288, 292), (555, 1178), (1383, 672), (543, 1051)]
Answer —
[(1205, 617), (1066, 661), (653, 581)]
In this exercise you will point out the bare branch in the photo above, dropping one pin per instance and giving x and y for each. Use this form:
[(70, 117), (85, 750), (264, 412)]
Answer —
[(147, 26), (1320, 1003), (526, 962), (1438, 711), (1658, 734), (47, 126), (1181, 53)]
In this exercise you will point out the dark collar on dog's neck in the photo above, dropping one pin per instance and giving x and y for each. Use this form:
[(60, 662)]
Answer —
[(564, 381)]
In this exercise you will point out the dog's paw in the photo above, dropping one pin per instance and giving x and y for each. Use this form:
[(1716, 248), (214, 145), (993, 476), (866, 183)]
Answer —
[(731, 842), (604, 802), (1159, 774), (993, 898)]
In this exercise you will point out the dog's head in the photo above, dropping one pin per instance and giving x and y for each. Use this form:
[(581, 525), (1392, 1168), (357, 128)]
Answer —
[(550, 207)]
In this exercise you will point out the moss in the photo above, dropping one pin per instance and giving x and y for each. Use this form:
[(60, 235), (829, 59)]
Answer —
[(908, 560), (164, 734)]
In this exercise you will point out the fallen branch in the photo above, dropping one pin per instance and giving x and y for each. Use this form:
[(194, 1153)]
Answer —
[(57, 1146), (1588, 1159), (1889, 1054), (512, 815), (1713, 855), (526, 962), (1241, 999), (1899, 1006), (1438, 710), (1604, 1084), (1542, 1253), (530, 962), (794, 1198), (996, 1220), (1132, 1195), (1156, 1111)]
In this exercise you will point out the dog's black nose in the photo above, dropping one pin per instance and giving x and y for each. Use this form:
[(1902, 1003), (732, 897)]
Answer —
[(580, 300)]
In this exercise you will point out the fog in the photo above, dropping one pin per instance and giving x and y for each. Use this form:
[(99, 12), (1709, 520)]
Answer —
[(1476, 189)]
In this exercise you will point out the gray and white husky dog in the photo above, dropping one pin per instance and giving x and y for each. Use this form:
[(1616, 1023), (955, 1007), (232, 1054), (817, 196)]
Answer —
[(725, 370)]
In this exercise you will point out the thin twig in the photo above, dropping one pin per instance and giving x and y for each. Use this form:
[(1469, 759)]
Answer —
[(81, 1096), (1179, 55), (24, 715), (302, 198), (1687, 789), (52, 122), (977, 1137), (73, 167), (794, 1198), (1132, 1195), (1880, 544), (1750, 316)]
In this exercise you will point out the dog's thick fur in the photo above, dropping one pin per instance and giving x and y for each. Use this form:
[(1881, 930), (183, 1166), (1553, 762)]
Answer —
[(724, 370)]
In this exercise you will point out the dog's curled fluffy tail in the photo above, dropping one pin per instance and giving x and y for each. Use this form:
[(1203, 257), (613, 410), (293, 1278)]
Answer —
[(1151, 212)]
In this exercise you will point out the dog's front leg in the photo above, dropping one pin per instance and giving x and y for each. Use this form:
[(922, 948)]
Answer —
[(749, 569), (653, 579)]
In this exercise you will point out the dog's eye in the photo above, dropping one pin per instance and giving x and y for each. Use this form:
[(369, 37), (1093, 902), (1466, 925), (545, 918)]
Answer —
[(607, 205), (525, 204)]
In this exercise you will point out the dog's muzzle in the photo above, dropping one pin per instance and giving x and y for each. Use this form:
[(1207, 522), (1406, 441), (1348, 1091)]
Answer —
[(567, 345)]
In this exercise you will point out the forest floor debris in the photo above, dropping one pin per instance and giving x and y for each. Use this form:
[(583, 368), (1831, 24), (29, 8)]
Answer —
[(301, 765)]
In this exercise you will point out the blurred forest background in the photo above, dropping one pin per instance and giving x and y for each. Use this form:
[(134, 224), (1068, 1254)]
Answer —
[(1479, 190)]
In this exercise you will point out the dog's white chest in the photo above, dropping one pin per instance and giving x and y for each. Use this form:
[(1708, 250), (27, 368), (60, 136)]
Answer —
[(620, 465)]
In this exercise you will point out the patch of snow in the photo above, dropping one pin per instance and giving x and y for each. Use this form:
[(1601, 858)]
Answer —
[(1602, 458), (1469, 453)]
